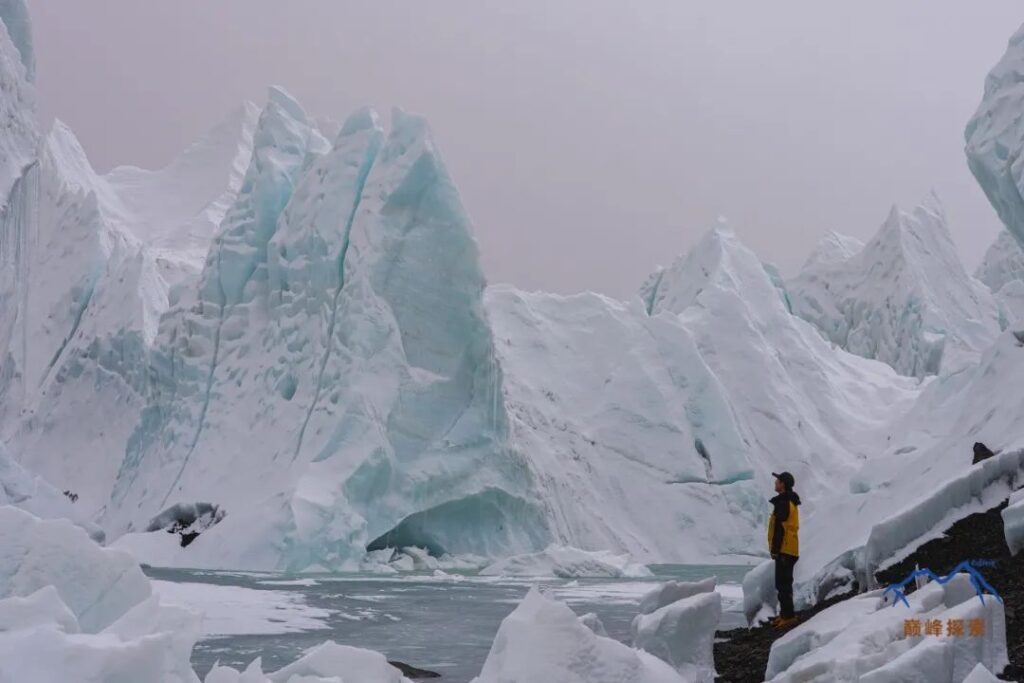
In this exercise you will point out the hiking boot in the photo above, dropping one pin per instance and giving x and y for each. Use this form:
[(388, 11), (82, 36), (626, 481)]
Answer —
[(785, 622)]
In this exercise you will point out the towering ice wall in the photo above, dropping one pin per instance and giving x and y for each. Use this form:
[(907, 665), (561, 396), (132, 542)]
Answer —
[(15, 18), (904, 298), (333, 384), (18, 127), (995, 138), (88, 264)]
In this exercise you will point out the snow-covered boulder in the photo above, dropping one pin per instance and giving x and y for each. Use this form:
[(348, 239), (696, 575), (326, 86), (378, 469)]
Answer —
[(995, 138), (904, 298), (673, 591), (683, 634), (568, 563), (542, 640), (1013, 522), (866, 638)]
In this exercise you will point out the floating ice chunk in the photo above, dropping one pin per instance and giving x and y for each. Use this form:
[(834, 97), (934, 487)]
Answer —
[(759, 597), (594, 623), (73, 611), (568, 563), (542, 640), (673, 591), (325, 663), (421, 558), (683, 634), (41, 608), (981, 675), (97, 584), (403, 563), (1013, 522), (865, 638), (351, 664)]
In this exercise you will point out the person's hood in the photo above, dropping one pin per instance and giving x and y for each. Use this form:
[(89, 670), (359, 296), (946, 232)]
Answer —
[(792, 496)]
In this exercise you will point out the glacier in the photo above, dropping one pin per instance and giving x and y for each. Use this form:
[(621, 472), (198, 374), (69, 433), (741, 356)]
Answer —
[(290, 322), (904, 298)]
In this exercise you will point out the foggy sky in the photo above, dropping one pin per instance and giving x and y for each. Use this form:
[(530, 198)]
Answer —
[(591, 140)]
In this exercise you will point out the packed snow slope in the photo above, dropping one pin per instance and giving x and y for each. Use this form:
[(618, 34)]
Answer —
[(904, 298)]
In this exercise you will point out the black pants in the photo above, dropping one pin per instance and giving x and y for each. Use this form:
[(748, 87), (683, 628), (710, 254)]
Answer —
[(784, 583)]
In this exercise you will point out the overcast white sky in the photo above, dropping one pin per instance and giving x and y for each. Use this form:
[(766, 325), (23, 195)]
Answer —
[(591, 139)]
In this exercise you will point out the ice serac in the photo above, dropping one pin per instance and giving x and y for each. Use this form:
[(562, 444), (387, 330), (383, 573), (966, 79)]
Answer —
[(639, 425), (15, 17), (1002, 270), (995, 138), (1003, 263), (904, 298), (82, 302), (334, 387), (177, 209), (18, 127), (802, 411)]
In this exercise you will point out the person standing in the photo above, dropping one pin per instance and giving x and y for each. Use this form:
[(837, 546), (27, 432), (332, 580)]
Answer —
[(784, 543)]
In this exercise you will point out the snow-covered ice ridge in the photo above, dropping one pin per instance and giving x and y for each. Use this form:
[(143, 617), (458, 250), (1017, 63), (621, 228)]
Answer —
[(904, 298)]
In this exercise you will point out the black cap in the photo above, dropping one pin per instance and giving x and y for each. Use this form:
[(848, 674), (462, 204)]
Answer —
[(786, 478)]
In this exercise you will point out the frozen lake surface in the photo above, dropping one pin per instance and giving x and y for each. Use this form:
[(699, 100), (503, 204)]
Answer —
[(442, 623)]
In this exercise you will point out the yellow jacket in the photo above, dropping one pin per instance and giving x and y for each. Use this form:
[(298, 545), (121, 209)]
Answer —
[(784, 525)]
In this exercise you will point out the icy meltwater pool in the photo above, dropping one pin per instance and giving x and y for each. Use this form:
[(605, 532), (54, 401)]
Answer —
[(445, 624)]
